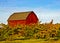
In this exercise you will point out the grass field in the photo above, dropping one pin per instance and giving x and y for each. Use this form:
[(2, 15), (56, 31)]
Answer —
[(31, 41)]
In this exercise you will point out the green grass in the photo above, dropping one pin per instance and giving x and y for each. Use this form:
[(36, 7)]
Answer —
[(31, 41)]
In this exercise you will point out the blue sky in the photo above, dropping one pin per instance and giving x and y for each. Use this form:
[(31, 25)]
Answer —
[(44, 9)]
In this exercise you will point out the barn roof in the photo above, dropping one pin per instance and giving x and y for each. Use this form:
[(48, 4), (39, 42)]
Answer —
[(19, 15)]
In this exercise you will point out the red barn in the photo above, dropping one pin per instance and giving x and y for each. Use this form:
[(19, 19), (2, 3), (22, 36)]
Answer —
[(23, 18)]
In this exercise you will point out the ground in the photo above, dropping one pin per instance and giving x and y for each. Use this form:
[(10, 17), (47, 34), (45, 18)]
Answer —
[(31, 41)]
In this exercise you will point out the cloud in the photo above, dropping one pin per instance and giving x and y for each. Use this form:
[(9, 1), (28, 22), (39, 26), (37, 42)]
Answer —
[(44, 15)]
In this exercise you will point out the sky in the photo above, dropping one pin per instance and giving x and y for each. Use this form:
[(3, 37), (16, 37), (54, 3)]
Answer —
[(46, 10)]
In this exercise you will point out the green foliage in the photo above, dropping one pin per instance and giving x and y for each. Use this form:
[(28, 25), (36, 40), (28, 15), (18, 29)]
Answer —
[(36, 31), (28, 32)]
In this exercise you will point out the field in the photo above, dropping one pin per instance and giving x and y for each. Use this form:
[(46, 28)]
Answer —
[(35, 33), (31, 41)]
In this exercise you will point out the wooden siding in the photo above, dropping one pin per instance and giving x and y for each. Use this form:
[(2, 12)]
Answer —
[(32, 18)]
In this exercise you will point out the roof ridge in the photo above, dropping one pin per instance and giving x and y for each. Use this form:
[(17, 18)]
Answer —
[(23, 12)]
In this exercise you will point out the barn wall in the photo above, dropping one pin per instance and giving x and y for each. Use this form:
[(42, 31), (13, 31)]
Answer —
[(16, 22), (32, 18)]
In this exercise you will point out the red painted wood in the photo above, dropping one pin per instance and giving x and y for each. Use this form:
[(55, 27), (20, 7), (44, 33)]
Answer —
[(32, 18), (16, 22)]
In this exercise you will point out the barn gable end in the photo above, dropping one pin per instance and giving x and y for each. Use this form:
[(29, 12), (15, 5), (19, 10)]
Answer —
[(32, 18)]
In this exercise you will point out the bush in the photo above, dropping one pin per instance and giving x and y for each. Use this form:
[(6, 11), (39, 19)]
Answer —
[(43, 31)]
